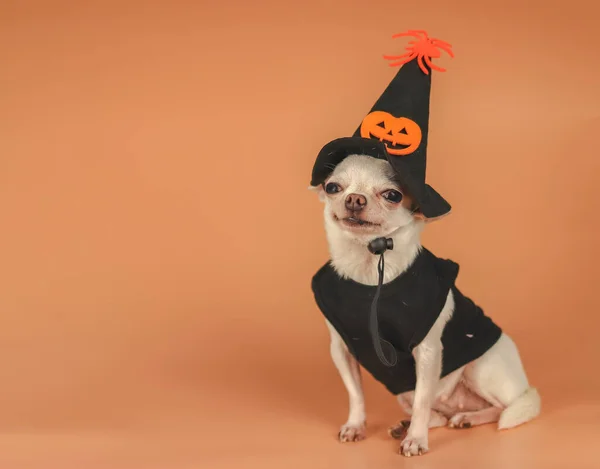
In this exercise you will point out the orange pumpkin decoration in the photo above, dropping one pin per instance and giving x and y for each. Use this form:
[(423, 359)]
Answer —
[(401, 135)]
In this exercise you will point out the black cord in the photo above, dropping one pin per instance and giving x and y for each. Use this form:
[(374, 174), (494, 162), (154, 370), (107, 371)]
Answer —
[(378, 342)]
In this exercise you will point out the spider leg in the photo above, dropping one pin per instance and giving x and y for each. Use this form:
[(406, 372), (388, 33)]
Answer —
[(433, 67), (444, 46), (403, 61), (409, 33), (395, 57), (420, 61), (439, 41), (419, 31), (397, 64)]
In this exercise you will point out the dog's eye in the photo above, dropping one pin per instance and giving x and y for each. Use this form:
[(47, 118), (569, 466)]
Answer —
[(332, 188), (393, 196)]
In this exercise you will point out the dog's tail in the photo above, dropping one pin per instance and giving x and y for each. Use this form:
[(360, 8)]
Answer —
[(523, 409)]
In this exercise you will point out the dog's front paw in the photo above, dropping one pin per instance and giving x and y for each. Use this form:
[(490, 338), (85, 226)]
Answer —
[(350, 432), (414, 446)]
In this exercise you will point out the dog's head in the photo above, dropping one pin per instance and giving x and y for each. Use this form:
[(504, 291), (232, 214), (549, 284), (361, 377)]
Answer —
[(363, 200)]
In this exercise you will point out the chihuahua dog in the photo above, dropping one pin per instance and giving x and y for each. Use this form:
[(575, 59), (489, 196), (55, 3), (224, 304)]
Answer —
[(362, 202)]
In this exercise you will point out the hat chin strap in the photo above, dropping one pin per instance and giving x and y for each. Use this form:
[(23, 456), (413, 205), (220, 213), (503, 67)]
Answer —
[(378, 246)]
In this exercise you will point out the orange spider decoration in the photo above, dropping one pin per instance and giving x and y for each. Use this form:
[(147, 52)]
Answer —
[(424, 49)]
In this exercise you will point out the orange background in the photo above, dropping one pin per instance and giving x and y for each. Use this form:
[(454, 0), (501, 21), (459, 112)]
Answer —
[(157, 239)]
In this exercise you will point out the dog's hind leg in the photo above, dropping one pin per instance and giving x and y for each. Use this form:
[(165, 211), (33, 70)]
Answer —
[(498, 377)]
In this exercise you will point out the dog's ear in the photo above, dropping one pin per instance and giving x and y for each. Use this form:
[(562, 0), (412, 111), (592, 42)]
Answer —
[(319, 190)]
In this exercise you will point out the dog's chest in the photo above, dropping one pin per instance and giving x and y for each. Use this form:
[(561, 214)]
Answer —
[(407, 309)]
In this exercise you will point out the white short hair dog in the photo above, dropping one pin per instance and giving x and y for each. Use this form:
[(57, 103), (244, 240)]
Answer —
[(363, 201)]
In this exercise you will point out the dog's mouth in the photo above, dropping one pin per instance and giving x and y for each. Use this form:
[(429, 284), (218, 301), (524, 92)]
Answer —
[(355, 222)]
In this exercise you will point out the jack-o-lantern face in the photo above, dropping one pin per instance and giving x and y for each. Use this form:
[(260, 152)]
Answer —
[(400, 135)]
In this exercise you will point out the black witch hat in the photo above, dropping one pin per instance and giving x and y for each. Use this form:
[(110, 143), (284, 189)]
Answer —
[(396, 128)]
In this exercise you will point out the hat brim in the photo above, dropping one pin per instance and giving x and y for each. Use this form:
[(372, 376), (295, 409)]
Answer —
[(430, 203)]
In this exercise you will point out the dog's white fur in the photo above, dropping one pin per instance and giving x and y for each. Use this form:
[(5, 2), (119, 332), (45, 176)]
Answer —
[(489, 389)]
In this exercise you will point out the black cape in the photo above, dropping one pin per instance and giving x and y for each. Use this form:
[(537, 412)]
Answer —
[(408, 307)]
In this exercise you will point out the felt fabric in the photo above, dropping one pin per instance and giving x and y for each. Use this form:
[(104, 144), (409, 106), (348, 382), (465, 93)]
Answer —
[(397, 128), (408, 307)]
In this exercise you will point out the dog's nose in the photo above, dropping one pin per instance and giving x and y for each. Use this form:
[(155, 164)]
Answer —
[(356, 202)]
